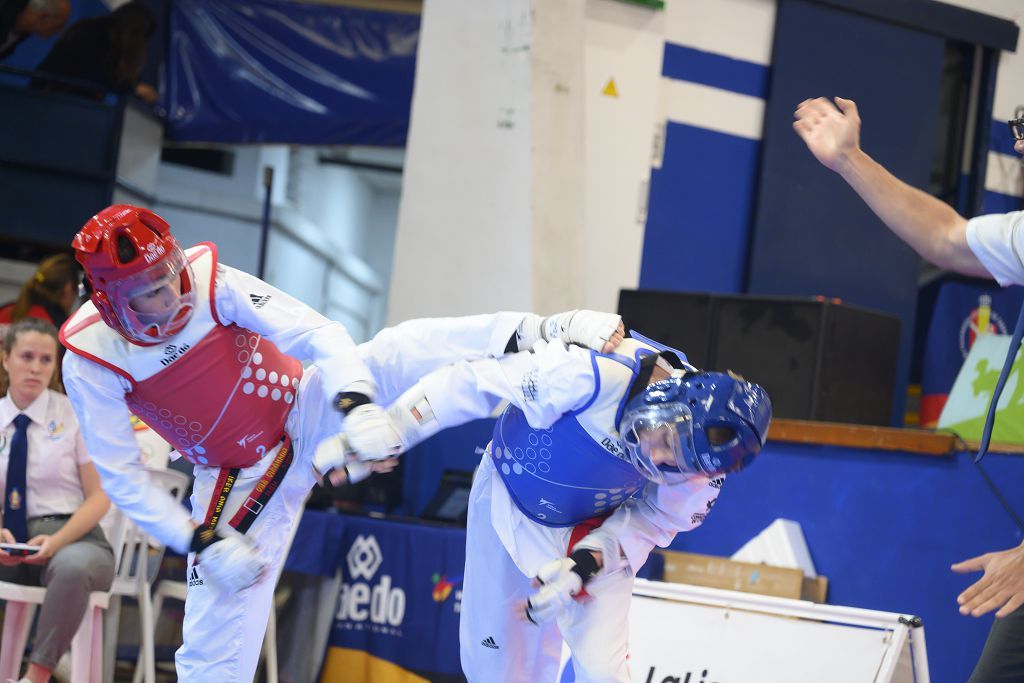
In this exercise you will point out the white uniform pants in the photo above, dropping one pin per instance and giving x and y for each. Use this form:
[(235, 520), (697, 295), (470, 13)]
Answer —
[(499, 645), (223, 630)]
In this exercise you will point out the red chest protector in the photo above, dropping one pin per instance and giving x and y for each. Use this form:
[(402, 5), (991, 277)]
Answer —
[(219, 394)]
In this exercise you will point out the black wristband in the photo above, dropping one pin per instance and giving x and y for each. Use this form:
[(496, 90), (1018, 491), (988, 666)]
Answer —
[(345, 401), (513, 343), (586, 565), (203, 538)]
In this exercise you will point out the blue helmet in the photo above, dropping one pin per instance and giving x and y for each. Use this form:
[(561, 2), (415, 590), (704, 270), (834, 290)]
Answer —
[(706, 423)]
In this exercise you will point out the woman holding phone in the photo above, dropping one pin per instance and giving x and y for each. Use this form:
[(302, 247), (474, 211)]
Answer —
[(52, 496)]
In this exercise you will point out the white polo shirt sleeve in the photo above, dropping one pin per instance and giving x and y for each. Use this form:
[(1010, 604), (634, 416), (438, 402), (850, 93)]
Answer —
[(998, 242)]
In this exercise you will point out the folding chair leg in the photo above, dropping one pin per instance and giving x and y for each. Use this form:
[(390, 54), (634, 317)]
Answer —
[(87, 649), (147, 623), (96, 648), (81, 648), (17, 622), (142, 667), (111, 625)]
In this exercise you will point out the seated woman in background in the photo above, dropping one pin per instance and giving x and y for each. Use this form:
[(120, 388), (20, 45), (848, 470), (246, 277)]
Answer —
[(52, 495), (49, 294)]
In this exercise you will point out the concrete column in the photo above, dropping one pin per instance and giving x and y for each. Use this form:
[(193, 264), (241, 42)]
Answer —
[(524, 182)]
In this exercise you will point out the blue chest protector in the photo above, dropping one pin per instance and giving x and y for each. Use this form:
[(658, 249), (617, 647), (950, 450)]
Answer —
[(563, 475)]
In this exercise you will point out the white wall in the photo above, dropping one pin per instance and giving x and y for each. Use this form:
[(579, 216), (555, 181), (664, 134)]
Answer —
[(525, 185), (624, 46), (557, 148), (139, 155), (464, 236), (335, 199), (380, 228)]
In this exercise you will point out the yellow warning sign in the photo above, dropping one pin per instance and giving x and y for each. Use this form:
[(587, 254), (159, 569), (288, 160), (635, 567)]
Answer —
[(609, 89)]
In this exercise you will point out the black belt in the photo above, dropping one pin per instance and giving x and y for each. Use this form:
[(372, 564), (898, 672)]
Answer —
[(43, 518), (260, 495)]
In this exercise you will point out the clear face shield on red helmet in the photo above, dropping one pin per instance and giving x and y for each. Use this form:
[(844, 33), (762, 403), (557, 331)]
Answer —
[(156, 303)]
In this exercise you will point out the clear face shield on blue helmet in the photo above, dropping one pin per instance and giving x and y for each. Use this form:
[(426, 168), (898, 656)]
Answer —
[(658, 432)]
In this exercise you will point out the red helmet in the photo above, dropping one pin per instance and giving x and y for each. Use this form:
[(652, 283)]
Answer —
[(141, 281)]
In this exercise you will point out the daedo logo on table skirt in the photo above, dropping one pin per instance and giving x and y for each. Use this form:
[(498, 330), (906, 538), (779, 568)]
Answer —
[(361, 604), (397, 609)]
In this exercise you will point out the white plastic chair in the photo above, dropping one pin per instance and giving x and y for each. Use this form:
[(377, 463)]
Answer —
[(134, 579), (87, 644)]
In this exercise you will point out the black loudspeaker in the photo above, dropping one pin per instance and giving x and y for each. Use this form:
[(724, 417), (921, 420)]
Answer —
[(683, 321), (819, 359)]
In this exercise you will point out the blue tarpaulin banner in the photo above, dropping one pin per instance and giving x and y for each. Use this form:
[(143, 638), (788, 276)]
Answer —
[(397, 610), (272, 71)]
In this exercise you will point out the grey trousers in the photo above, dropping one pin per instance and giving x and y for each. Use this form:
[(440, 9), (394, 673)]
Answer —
[(75, 571), (1002, 660)]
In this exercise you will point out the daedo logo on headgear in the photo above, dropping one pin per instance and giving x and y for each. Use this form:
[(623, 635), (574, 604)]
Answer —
[(153, 252), (378, 607)]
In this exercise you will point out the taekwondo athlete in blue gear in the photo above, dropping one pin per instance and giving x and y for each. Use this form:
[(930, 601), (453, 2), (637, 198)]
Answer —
[(556, 467)]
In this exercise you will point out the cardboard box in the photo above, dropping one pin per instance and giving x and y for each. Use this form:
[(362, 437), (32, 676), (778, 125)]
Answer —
[(815, 590), (721, 572)]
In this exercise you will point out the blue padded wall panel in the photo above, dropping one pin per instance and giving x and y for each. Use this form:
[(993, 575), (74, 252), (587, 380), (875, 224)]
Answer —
[(996, 202), (701, 202), (685, 63), (812, 234)]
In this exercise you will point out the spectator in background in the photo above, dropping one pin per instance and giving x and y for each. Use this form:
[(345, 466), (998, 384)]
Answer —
[(20, 19), (108, 50), (48, 295), (984, 246), (52, 495)]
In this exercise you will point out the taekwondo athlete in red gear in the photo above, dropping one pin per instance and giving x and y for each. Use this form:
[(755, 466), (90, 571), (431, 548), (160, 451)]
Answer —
[(597, 459), (208, 357)]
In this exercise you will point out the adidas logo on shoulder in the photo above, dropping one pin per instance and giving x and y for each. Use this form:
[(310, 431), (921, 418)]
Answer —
[(194, 579), (489, 642), (259, 301)]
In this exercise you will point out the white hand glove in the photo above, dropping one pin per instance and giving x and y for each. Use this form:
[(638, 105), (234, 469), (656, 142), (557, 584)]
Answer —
[(358, 470), (333, 452), (558, 586), (232, 563), (592, 329), (371, 434)]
